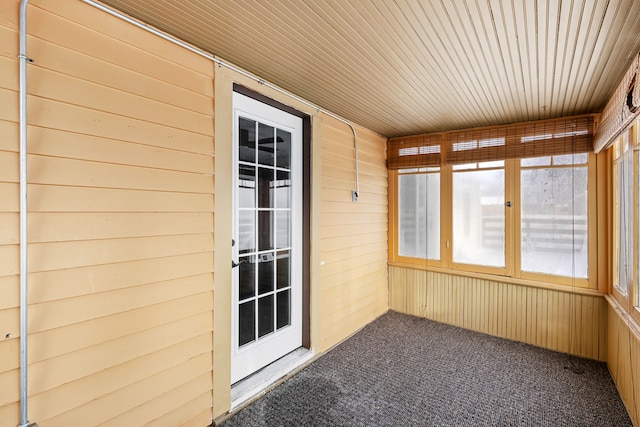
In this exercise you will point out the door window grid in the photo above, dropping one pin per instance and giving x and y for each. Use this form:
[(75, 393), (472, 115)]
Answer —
[(264, 207)]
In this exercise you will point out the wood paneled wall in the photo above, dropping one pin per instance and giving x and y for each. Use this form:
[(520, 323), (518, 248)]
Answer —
[(623, 357), (353, 235), (562, 321), (120, 222), (121, 200)]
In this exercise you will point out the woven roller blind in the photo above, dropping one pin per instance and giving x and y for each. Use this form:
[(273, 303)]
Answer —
[(516, 141), (414, 151)]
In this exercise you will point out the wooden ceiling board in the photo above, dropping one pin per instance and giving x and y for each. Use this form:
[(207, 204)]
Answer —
[(399, 63), (480, 63), (352, 76), (450, 61), (619, 20), (420, 62), (405, 62), (583, 39), (393, 64), (491, 48), (401, 67)]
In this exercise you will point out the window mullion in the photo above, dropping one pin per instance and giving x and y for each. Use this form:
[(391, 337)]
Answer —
[(636, 218), (446, 214), (514, 231)]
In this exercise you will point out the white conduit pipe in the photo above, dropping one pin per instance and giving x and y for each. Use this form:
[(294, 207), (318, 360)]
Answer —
[(24, 422), (117, 14)]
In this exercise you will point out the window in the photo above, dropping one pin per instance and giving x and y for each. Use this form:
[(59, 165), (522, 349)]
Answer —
[(637, 219), (512, 200), (625, 153), (554, 215), (478, 214), (624, 211), (419, 213)]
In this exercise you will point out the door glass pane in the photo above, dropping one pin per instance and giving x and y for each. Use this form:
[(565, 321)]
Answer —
[(478, 217), (247, 140), (247, 279), (283, 189), (265, 273), (246, 186), (283, 309), (283, 237), (265, 315), (283, 149), (266, 147), (283, 269), (246, 322), (554, 221), (246, 231), (265, 230), (265, 188)]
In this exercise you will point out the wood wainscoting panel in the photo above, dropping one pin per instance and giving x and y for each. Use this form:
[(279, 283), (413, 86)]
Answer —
[(563, 321), (623, 356)]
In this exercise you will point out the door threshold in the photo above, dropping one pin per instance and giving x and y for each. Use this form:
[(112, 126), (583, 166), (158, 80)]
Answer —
[(268, 377)]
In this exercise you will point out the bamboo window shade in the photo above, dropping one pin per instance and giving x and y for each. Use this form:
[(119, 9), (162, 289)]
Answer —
[(414, 151), (516, 141), (622, 108)]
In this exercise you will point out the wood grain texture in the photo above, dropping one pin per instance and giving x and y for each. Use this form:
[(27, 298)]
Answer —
[(353, 240), (121, 197), (405, 67), (561, 321), (623, 347), (105, 383)]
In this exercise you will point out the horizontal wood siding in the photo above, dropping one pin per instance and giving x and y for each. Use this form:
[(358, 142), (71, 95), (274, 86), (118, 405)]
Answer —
[(353, 235), (623, 350), (561, 321), (121, 179)]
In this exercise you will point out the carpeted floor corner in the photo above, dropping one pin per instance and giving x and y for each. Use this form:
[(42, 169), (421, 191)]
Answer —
[(406, 371)]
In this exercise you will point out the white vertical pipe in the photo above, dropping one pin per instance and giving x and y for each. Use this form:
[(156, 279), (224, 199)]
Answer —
[(23, 214)]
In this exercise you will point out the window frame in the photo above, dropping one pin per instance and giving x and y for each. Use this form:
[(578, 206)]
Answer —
[(394, 217), (635, 292), (511, 272), (619, 153), (508, 238), (592, 269), (630, 301), (408, 172)]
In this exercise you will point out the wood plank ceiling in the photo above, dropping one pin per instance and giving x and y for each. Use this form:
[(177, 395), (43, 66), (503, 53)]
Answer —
[(402, 67)]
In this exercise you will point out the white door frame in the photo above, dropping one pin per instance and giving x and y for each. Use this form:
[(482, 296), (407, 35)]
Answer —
[(252, 357)]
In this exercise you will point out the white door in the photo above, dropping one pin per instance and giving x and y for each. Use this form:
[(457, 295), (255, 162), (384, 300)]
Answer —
[(267, 247)]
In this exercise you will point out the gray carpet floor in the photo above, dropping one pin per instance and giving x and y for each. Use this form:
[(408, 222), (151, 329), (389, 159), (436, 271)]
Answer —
[(406, 371)]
